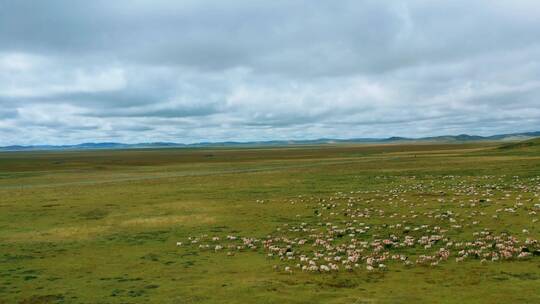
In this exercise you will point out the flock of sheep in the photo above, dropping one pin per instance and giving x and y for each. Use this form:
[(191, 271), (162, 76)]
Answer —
[(409, 220)]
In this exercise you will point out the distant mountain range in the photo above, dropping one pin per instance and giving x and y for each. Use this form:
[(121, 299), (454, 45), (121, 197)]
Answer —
[(113, 145)]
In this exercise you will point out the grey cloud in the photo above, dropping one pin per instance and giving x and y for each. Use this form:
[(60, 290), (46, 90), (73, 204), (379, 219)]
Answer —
[(247, 70), (283, 37), (8, 113)]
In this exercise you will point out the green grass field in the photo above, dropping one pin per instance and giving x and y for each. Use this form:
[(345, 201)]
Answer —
[(450, 223)]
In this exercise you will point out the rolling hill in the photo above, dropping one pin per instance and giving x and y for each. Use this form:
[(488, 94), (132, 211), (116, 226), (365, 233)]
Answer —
[(513, 137)]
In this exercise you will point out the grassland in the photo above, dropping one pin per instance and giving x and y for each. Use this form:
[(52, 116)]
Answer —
[(103, 226)]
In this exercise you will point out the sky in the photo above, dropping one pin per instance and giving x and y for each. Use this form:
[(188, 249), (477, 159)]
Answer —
[(189, 71)]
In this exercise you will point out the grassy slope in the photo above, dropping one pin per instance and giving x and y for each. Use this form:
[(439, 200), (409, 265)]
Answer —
[(531, 144), (101, 227)]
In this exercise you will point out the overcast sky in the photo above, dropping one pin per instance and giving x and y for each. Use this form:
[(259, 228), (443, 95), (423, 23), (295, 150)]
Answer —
[(189, 71)]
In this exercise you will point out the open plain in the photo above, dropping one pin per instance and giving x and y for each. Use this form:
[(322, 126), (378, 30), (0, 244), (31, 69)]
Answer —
[(395, 223)]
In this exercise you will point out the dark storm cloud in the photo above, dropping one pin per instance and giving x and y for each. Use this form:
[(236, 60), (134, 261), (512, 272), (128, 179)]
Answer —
[(247, 70)]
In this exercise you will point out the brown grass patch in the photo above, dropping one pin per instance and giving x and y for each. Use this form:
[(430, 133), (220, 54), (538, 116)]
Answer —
[(59, 234), (169, 220)]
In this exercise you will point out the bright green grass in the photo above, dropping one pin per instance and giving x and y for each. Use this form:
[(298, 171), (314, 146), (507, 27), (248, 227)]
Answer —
[(101, 227)]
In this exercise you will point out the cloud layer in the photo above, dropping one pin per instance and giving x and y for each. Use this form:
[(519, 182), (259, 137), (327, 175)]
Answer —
[(189, 71)]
